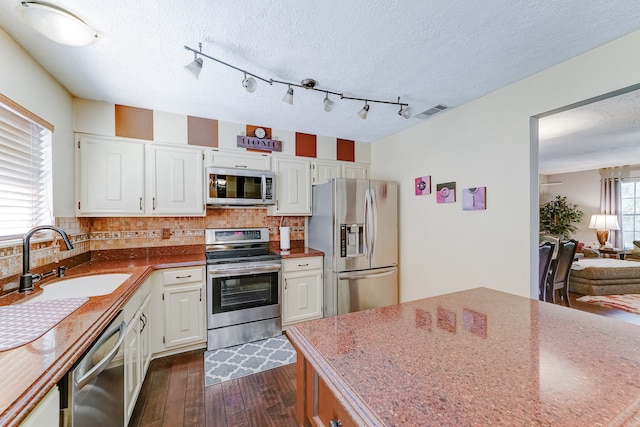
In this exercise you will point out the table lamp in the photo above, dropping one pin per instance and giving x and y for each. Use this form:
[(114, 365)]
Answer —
[(602, 224)]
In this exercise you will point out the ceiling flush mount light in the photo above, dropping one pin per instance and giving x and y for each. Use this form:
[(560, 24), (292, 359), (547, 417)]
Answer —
[(365, 110), (288, 97), (57, 24), (250, 85), (328, 104)]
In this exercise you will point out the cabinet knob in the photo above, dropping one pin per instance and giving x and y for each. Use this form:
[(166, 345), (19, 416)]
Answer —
[(335, 423)]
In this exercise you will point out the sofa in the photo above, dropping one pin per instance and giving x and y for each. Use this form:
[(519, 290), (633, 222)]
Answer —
[(605, 276)]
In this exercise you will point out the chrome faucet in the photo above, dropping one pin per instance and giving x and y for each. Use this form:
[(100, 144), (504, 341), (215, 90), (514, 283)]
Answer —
[(27, 279)]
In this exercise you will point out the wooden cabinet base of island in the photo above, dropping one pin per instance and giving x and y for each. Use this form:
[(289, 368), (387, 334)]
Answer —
[(316, 405)]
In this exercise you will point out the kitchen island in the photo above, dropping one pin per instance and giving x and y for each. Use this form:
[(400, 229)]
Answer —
[(477, 357)]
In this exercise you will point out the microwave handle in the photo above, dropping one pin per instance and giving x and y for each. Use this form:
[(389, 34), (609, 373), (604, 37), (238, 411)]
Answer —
[(263, 187)]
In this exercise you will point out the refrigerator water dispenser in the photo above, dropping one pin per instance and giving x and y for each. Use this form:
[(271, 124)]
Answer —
[(351, 240)]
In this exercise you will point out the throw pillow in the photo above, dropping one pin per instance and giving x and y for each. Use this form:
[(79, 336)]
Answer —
[(590, 252)]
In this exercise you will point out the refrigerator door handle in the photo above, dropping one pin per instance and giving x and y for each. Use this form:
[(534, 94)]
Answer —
[(359, 276), (374, 219), (368, 227)]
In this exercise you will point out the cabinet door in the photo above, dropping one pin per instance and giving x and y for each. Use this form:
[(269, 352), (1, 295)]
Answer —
[(302, 296), (132, 371), (355, 170), (324, 171), (241, 160), (176, 177), (110, 177), (293, 187), (47, 413), (184, 314)]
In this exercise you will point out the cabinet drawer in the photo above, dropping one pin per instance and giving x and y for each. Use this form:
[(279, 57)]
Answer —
[(300, 264), (182, 276), (134, 303)]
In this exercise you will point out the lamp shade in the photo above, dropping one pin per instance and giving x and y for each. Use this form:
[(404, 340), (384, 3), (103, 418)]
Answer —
[(604, 222)]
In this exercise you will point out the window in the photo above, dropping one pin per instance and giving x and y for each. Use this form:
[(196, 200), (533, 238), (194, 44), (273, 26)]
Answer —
[(25, 170), (630, 194)]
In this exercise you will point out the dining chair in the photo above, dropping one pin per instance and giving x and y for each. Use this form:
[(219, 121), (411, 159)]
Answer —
[(544, 257), (558, 279)]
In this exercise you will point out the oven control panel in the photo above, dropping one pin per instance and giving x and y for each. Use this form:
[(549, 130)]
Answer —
[(236, 235)]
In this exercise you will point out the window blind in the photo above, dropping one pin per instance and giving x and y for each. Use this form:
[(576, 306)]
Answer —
[(25, 173)]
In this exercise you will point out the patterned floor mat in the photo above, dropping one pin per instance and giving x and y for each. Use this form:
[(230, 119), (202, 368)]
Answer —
[(245, 359)]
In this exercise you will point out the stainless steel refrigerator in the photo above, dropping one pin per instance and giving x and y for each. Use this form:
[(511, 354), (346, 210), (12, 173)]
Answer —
[(355, 223)]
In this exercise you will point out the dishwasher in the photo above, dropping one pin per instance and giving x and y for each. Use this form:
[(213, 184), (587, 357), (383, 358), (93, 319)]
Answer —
[(92, 392)]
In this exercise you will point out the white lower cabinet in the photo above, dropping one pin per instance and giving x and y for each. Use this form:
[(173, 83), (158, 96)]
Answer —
[(302, 289), (137, 345), (180, 297), (47, 413)]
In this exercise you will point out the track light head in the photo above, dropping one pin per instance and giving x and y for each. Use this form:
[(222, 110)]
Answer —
[(194, 67), (365, 110), (249, 83), (328, 104), (405, 111), (288, 97)]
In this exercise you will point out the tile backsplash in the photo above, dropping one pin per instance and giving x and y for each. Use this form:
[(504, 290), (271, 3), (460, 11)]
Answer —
[(93, 234)]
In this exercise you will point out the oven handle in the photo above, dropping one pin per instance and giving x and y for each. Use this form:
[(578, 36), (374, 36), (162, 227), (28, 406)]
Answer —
[(243, 271)]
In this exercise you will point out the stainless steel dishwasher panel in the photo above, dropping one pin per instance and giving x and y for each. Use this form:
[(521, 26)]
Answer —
[(95, 385)]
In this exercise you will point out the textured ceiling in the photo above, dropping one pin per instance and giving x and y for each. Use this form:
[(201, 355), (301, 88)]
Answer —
[(605, 133), (427, 52)]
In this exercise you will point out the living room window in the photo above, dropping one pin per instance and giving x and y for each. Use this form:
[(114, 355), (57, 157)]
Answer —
[(25, 170), (630, 194)]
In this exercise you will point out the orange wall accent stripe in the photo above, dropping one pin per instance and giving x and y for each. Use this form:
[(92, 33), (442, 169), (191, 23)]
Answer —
[(346, 150), (133, 122), (306, 145), (201, 131)]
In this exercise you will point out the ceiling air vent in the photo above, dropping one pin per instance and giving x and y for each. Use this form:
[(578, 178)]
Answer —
[(431, 111)]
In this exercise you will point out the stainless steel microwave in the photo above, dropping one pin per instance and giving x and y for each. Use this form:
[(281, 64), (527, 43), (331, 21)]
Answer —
[(240, 187)]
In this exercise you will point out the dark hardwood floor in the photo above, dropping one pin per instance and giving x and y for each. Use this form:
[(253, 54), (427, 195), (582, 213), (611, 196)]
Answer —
[(173, 393)]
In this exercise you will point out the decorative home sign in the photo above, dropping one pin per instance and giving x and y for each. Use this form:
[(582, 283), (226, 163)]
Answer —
[(446, 193), (259, 143), (474, 198), (423, 185)]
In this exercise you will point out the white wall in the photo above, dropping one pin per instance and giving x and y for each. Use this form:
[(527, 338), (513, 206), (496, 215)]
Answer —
[(487, 143), (581, 188), (28, 84)]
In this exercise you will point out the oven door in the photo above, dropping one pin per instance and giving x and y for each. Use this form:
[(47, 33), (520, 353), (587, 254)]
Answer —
[(242, 293)]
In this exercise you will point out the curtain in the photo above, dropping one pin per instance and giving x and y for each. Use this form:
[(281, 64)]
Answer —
[(611, 204)]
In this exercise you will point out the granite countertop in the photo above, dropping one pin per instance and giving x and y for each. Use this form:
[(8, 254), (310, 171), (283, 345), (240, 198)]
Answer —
[(28, 372), (477, 357)]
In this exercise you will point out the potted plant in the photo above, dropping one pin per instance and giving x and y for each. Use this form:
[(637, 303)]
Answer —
[(558, 217)]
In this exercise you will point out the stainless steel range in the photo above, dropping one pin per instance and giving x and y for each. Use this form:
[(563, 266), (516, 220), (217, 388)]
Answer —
[(243, 287)]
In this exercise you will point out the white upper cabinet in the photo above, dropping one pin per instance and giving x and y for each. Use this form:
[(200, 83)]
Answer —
[(175, 175), (112, 178), (109, 177), (240, 160), (355, 170), (323, 170), (293, 186)]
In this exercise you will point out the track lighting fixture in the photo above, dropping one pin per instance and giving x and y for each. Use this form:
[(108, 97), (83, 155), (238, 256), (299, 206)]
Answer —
[(288, 97), (195, 66), (250, 84), (56, 23), (328, 104), (365, 110), (405, 111)]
